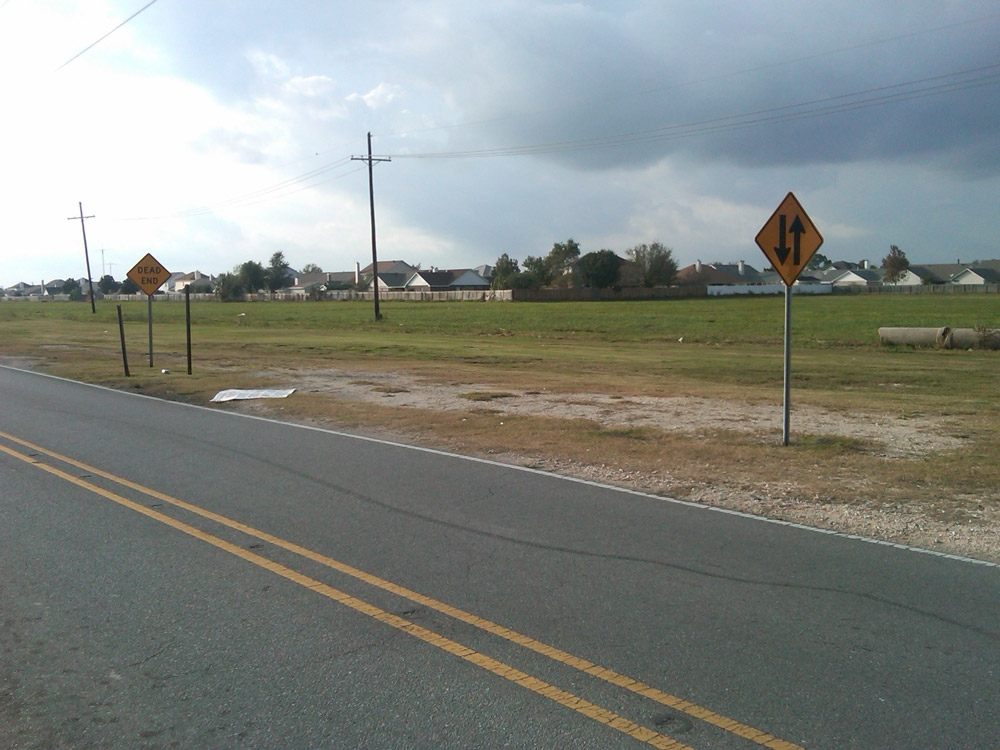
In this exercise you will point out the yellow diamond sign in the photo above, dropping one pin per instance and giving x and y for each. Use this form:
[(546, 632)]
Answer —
[(148, 274), (789, 239)]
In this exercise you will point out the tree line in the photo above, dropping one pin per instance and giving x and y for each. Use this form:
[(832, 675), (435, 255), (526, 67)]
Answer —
[(646, 266), (251, 276)]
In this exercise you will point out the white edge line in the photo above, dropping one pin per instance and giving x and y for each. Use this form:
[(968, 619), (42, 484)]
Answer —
[(530, 470)]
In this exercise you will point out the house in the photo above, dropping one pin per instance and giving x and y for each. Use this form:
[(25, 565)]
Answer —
[(719, 273), (341, 280), (977, 275), (312, 284), (392, 275), (22, 289), (851, 277), (17, 290), (920, 275), (444, 281), (170, 285), (389, 282), (977, 272), (196, 280)]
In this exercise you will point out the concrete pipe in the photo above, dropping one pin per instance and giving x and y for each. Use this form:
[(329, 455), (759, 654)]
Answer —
[(941, 338), (936, 337)]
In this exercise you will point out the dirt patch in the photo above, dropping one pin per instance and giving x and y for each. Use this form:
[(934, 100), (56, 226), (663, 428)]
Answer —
[(895, 437)]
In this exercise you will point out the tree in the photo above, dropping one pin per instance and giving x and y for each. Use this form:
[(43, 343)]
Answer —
[(310, 268), (540, 269), (276, 276), (818, 262), (129, 287), (894, 265), (523, 280), (73, 289), (599, 269), (252, 276), (562, 256), (560, 259), (229, 287), (108, 285), (503, 271), (653, 265)]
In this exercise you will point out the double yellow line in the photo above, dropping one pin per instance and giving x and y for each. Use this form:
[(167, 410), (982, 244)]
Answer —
[(523, 679)]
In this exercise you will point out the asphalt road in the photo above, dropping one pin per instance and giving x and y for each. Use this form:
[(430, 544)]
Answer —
[(175, 576)]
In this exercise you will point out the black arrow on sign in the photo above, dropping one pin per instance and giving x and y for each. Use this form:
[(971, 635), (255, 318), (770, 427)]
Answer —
[(783, 250), (797, 230)]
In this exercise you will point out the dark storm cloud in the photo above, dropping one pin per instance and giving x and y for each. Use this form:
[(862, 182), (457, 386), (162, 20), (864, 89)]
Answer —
[(760, 87)]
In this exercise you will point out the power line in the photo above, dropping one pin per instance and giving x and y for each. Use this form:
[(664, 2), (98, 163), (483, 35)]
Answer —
[(94, 44)]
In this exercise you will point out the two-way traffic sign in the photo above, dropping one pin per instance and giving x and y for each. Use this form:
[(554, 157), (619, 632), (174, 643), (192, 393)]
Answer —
[(789, 239)]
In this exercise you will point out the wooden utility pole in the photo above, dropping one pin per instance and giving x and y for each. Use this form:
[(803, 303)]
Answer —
[(371, 200), (86, 253)]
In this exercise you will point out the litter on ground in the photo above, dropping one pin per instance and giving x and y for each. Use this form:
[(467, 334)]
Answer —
[(234, 394)]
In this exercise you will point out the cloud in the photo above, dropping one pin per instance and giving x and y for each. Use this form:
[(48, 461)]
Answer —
[(612, 122), (379, 97)]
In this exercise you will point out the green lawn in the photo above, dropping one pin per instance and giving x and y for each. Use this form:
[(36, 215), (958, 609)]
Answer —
[(717, 344)]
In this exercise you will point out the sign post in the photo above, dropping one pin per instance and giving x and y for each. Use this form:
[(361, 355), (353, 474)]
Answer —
[(789, 240), (149, 275)]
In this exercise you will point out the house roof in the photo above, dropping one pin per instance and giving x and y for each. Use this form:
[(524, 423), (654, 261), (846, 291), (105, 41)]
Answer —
[(469, 277), (720, 273), (433, 279), (455, 278), (192, 276), (393, 280), (390, 266), (868, 275), (928, 273), (988, 275)]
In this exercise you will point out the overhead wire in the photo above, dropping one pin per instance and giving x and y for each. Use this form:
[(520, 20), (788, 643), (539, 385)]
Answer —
[(95, 43)]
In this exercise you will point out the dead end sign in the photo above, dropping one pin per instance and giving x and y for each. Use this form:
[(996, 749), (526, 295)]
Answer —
[(148, 274)]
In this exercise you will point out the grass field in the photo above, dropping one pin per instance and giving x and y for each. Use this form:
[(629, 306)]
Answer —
[(725, 349)]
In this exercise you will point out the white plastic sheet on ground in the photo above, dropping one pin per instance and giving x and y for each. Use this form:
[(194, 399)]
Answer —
[(234, 394)]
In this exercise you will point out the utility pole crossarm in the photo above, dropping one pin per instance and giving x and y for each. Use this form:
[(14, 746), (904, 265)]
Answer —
[(371, 200)]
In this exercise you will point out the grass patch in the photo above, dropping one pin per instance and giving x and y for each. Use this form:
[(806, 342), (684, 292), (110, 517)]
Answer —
[(630, 433), (837, 445)]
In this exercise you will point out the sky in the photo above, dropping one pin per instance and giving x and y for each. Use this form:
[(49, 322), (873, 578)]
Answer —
[(212, 133)]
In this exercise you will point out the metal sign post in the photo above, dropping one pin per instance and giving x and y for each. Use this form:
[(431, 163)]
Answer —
[(149, 275), (149, 324), (789, 240), (787, 380)]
